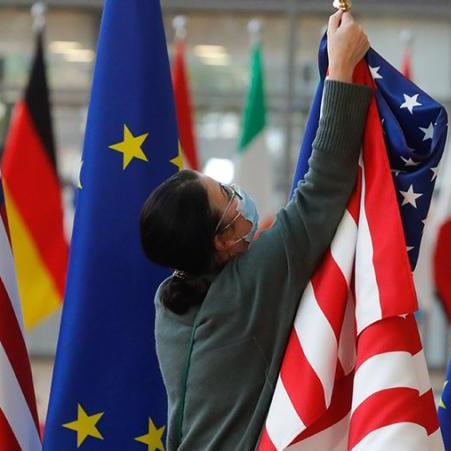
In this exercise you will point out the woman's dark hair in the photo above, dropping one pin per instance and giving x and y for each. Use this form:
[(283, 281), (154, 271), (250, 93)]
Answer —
[(177, 231)]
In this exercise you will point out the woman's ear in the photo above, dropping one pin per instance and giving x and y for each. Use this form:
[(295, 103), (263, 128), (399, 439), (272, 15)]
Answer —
[(224, 241), (220, 243)]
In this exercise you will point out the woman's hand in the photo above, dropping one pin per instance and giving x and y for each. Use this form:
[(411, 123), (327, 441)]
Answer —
[(347, 45)]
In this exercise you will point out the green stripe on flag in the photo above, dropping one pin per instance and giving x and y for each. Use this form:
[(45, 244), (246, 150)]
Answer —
[(254, 116)]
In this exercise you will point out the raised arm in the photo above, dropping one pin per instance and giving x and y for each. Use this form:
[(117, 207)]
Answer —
[(290, 251)]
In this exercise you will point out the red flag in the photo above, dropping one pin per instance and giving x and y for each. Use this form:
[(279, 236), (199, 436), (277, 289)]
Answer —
[(406, 67), (33, 200), (442, 267), (183, 105)]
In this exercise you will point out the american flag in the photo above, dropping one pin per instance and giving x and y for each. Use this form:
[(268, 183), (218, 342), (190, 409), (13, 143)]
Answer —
[(354, 375), (19, 428)]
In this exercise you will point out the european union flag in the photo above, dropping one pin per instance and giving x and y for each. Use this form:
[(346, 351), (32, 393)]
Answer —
[(107, 392)]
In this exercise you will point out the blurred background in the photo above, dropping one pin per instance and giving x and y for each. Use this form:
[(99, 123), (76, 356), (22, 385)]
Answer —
[(412, 35)]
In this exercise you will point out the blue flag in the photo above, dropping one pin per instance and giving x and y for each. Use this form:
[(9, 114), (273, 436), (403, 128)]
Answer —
[(107, 392), (444, 412), (415, 129)]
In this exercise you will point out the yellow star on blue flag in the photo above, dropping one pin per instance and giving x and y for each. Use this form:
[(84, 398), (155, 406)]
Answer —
[(130, 147), (153, 438), (178, 160), (85, 426)]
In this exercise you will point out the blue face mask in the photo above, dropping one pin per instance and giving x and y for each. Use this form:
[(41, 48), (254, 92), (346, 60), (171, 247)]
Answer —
[(248, 210), (245, 207)]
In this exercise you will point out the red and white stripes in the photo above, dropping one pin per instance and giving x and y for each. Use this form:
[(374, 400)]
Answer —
[(19, 429), (354, 376)]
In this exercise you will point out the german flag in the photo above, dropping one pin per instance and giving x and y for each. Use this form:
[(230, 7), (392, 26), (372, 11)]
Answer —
[(33, 199)]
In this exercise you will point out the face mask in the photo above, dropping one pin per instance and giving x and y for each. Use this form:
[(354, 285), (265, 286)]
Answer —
[(248, 210)]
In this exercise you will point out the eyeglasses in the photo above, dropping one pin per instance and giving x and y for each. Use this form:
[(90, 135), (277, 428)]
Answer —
[(232, 193)]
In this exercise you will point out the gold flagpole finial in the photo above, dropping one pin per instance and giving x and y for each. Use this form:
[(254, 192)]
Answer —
[(344, 5)]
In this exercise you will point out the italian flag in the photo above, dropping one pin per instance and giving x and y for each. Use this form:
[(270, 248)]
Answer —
[(252, 165)]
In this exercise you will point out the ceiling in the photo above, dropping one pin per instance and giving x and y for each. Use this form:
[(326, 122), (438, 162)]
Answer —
[(429, 8)]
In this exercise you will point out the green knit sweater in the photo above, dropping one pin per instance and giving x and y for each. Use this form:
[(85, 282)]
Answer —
[(220, 361)]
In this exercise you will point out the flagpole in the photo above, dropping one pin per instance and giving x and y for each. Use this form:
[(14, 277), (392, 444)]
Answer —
[(406, 37), (179, 24), (255, 27), (292, 25), (38, 11)]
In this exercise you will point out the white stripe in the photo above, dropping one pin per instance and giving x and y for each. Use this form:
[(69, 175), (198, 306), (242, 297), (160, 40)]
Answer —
[(318, 341), (435, 441), (424, 383), (334, 438), (283, 424), (15, 407), (344, 244), (368, 308), (381, 372), (8, 275), (347, 347), (395, 437)]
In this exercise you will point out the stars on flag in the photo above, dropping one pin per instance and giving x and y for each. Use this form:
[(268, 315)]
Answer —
[(428, 132), (410, 197), (79, 184), (410, 102), (130, 147), (409, 162), (85, 426), (375, 73), (178, 160), (153, 438), (435, 172), (442, 405), (414, 127)]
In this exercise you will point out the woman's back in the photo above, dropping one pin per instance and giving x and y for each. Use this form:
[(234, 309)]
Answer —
[(220, 360)]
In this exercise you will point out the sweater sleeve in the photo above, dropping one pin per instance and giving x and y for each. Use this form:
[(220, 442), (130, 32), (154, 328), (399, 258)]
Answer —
[(307, 225), (279, 264)]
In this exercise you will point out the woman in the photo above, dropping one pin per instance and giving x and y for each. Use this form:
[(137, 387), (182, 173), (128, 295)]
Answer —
[(223, 318)]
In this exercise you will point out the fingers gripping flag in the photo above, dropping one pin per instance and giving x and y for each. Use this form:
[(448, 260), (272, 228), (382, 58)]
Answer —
[(354, 375)]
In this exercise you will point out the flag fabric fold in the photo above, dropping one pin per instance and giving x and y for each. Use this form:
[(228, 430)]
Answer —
[(19, 427), (34, 201), (354, 375), (107, 390)]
